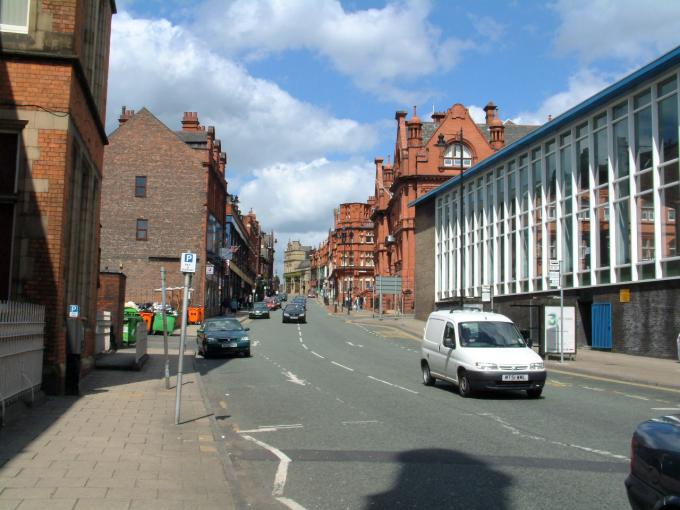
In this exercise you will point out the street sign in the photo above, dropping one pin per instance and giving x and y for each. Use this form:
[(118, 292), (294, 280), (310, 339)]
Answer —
[(554, 273), (188, 263), (388, 284), (209, 269), (486, 293), (73, 311)]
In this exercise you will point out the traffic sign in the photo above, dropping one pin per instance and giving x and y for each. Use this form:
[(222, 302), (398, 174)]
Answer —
[(188, 263), (554, 273), (73, 311), (486, 293)]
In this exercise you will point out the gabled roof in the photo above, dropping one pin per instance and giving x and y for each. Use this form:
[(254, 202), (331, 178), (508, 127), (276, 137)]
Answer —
[(584, 108)]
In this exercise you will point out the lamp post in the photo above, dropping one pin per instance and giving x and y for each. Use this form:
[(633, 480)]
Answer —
[(252, 299), (461, 219)]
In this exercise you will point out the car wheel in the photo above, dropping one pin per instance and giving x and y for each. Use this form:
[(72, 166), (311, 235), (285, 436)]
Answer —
[(428, 380), (535, 393), (464, 385)]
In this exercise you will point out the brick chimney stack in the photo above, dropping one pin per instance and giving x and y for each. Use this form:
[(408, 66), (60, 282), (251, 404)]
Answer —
[(438, 117), (415, 134), (125, 115), (496, 127), (190, 122), (490, 110)]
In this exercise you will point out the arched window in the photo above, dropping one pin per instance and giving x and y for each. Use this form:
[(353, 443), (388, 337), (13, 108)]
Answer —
[(452, 156)]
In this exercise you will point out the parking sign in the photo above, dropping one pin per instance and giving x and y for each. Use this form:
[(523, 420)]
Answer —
[(188, 263)]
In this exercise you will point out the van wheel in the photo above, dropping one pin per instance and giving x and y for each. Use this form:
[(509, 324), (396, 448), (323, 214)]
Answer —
[(428, 380), (464, 385), (535, 393)]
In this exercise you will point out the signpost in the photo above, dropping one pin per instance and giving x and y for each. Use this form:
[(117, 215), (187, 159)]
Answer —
[(73, 311), (188, 267), (165, 331), (387, 285), (555, 280)]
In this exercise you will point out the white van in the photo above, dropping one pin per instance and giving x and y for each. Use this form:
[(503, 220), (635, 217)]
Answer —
[(479, 351)]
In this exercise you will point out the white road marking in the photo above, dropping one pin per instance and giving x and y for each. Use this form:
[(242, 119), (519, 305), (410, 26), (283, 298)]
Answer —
[(294, 378), (638, 397), (343, 366), (281, 470), (293, 505), (359, 422), (380, 380), (592, 389), (272, 428), (318, 355), (405, 389), (300, 339), (665, 408), (349, 343), (306, 348)]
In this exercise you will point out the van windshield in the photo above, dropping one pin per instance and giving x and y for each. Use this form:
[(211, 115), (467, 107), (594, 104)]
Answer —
[(489, 334)]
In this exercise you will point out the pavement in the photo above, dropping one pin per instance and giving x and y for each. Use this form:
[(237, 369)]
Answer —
[(625, 368), (117, 447)]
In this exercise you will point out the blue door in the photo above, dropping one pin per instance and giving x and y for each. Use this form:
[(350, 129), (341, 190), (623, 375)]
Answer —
[(602, 325)]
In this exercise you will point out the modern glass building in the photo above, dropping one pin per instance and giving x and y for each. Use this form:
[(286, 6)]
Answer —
[(598, 189)]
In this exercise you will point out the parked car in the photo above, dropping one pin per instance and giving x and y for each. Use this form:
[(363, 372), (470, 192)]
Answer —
[(222, 335), (479, 351), (654, 479), (260, 310), (294, 312)]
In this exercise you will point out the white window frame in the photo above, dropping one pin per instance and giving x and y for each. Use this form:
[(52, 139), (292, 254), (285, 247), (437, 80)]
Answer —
[(18, 29)]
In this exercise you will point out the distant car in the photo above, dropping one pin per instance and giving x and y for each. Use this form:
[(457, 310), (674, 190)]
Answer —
[(299, 300), (294, 312), (260, 310), (222, 335), (654, 479), (311, 294), (283, 296), (272, 304)]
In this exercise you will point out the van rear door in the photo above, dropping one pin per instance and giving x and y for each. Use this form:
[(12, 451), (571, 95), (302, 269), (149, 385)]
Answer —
[(432, 344)]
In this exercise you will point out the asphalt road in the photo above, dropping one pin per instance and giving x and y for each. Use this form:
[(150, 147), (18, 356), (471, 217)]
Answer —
[(332, 415)]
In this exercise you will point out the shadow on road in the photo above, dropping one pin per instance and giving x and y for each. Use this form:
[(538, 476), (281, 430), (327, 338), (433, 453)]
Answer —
[(438, 478)]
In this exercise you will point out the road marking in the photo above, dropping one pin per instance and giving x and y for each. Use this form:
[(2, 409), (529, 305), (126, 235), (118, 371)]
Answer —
[(665, 408), (300, 339), (593, 389), (223, 404), (343, 366), (272, 428), (349, 343), (380, 380), (293, 505), (615, 381), (318, 355), (638, 397), (281, 470), (294, 378), (405, 389), (306, 348), (359, 422)]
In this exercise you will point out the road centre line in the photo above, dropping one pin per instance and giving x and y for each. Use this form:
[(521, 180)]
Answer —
[(405, 389), (380, 380), (342, 366), (359, 422), (318, 355), (638, 397)]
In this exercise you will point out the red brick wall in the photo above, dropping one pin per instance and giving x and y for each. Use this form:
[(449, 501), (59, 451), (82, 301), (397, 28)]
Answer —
[(111, 297)]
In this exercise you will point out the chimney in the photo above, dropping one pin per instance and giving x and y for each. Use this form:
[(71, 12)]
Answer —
[(190, 122), (125, 115), (437, 118), (490, 110), (415, 134)]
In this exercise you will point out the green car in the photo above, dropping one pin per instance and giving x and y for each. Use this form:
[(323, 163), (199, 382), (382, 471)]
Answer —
[(222, 335), (260, 310)]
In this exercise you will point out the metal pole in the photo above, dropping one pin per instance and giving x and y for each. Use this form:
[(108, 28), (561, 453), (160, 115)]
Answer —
[(165, 331), (463, 242), (561, 317), (182, 341), (381, 300)]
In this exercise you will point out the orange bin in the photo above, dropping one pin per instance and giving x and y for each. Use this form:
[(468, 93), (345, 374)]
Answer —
[(147, 317), (195, 314)]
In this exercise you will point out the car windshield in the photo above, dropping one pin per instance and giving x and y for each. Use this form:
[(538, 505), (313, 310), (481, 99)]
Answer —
[(223, 325), (292, 308), (260, 306), (489, 334)]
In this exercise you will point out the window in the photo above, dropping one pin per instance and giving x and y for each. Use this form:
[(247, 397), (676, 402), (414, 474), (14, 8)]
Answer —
[(452, 156), (14, 16), (140, 186), (142, 230)]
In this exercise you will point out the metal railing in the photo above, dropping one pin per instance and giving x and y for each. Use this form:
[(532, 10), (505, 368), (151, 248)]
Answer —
[(22, 328)]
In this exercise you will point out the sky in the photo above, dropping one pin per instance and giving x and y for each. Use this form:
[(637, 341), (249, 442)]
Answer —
[(302, 93)]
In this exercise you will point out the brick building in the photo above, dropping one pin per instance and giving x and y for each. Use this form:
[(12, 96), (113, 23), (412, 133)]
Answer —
[(351, 250), (243, 258), (321, 267), (164, 193), (426, 155), (53, 76)]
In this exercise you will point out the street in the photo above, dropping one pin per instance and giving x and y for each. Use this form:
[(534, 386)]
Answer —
[(331, 415)]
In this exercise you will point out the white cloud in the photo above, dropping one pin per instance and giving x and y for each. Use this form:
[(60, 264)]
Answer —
[(630, 30), (165, 68), (375, 47), (582, 85), (477, 113)]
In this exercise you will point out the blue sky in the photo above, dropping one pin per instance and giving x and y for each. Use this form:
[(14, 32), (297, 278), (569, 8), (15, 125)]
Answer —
[(303, 92)]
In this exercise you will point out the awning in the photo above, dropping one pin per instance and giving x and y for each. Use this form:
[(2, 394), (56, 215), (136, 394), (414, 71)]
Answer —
[(233, 267)]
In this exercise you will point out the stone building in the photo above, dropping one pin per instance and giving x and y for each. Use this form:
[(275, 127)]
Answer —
[(53, 77), (596, 192), (297, 270), (426, 155), (164, 193)]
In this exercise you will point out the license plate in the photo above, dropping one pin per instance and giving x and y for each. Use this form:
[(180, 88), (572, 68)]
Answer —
[(516, 377), (230, 344)]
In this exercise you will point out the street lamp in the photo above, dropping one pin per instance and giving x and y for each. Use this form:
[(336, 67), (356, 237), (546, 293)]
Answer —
[(252, 299)]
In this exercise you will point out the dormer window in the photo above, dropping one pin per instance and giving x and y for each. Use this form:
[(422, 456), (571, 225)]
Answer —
[(452, 156)]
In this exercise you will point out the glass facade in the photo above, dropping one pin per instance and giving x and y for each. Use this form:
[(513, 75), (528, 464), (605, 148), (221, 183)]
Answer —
[(602, 196)]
